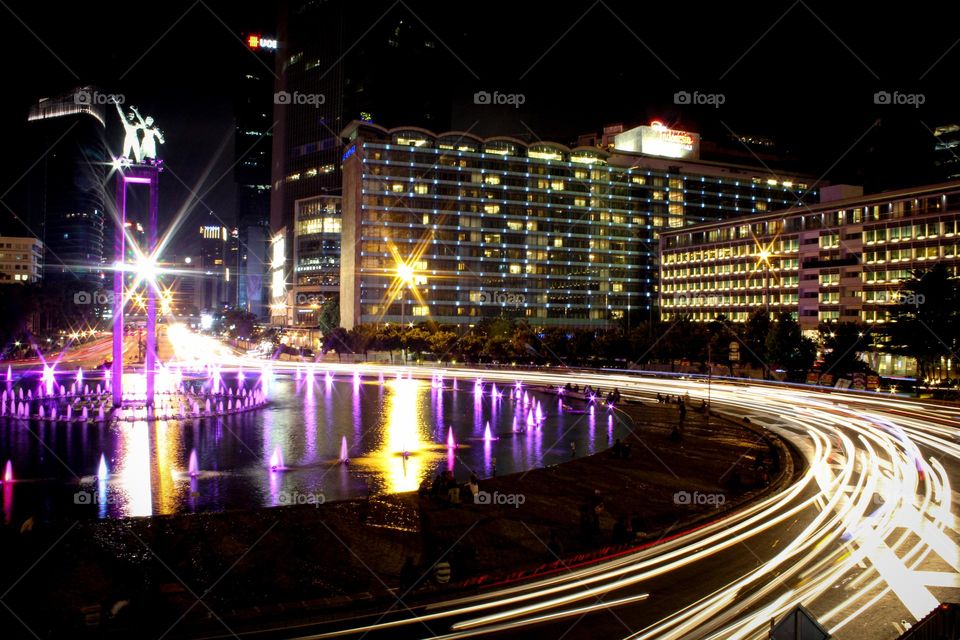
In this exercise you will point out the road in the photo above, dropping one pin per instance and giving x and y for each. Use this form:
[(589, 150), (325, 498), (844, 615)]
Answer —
[(867, 536), (88, 355)]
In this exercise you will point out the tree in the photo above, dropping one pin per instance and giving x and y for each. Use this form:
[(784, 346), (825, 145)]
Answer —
[(441, 343), (337, 340), (389, 338), (556, 344), (362, 338), (471, 345), (415, 340), (240, 323), (755, 332), (843, 344), (788, 348), (925, 321), (329, 316)]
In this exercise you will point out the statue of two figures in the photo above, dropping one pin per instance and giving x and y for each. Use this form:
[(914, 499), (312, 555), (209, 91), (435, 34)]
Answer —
[(135, 148)]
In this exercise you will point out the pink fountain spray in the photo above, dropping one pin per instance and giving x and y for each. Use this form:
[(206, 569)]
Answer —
[(276, 460), (193, 467)]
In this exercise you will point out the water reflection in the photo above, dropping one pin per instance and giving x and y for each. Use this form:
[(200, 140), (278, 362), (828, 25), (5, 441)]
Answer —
[(395, 433), (405, 449)]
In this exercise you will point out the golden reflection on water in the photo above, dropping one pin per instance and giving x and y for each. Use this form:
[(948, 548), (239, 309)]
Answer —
[(405, 430), (167, 443), (133, 468)]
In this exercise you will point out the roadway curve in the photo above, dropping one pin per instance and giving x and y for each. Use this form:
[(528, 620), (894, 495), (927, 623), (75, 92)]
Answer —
[(866, 538)]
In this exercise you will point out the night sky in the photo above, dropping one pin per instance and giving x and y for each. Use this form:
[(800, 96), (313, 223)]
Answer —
[(802, 73)]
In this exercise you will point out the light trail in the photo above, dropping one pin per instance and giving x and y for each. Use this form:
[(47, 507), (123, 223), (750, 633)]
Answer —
[(858, 447)]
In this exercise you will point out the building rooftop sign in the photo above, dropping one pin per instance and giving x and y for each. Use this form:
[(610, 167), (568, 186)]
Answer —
[(656, 139)]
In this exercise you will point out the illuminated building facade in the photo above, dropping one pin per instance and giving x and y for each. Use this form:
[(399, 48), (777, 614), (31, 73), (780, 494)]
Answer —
[(455, 228), (841, 260), (316, 257), (214, 286), (60, 198), (21, 260)]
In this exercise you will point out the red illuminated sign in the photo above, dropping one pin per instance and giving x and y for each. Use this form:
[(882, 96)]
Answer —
[(256, 41)]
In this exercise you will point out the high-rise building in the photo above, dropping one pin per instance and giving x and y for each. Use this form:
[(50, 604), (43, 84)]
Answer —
[(455, 228), (213, 288), (21, 260), (844, 259), (253, 121), (331, 71), (60, 200)]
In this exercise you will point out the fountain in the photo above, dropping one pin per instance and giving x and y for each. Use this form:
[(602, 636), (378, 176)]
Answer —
[(487, 435), (276, 460), (451, 443), (193, 468), (48, 379), (344, 456), (102, 472), (8, 472)]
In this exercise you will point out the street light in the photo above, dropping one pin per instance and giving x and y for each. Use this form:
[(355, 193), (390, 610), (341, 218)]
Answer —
[(405, 275), (764, 258)]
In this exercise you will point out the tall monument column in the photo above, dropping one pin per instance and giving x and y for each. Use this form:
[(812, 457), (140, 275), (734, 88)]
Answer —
[(137, 165)]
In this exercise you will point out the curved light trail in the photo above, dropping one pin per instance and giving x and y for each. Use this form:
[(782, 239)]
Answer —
[(870, 521)]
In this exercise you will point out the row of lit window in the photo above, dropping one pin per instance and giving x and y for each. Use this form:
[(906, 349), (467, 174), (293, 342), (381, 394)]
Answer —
[(772, 185), (552, 156), (912, 253), (416, 184), (311, 172), (745, 250)]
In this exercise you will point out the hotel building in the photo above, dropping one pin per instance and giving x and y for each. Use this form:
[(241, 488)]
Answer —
[(844, 259), (455, 228)]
